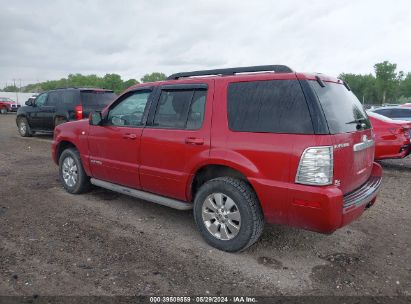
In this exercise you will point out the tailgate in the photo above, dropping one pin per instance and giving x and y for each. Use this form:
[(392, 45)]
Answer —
[(353, 159)]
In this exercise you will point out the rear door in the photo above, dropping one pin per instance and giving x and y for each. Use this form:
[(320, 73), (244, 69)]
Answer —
[(176, 138), (352, 134), (114, 147)]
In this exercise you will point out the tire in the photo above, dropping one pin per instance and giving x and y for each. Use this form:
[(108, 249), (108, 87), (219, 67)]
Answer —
[(71, 172), (237, 226), (3, 111), (24, 127)]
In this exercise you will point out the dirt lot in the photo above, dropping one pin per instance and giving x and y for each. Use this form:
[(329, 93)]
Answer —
[(103, 243)]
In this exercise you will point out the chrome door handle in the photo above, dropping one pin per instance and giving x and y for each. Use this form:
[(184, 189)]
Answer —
[(194, 141), (130, 136)]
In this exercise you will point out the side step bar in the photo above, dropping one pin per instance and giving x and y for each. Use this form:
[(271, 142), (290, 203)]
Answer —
[(165, 201)]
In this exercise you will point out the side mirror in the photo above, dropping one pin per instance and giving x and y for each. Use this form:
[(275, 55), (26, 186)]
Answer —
[(95, 119), (29, 102)]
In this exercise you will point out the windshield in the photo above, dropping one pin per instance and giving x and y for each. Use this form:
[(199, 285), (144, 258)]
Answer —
[(97, 98), (343, 111)]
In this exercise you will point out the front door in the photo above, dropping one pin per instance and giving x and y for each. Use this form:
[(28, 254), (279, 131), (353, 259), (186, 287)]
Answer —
[(176, 138), (114, 146), (36, 119)]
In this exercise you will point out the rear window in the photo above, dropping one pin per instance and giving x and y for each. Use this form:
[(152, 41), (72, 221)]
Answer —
[(97, 98), (343, 111), (274, 106), (401, 113)]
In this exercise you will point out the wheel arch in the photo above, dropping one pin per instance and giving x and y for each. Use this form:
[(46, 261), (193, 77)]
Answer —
[(213, 170)]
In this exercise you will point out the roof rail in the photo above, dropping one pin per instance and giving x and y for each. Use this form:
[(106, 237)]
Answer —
[(232, 71)]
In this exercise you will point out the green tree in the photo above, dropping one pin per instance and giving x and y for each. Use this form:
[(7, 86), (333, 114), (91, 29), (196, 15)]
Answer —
[(155, 76), (405, 86), (129, 83), (11, 88), (386, 80), (363, 86)]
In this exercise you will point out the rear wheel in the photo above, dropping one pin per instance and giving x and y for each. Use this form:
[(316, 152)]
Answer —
[(59, 121), (3, 110), (71, 172), (228, 214), (23, 126)]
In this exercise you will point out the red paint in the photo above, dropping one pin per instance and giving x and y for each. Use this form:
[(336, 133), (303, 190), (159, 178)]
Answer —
[(390, 136), (165, 161)]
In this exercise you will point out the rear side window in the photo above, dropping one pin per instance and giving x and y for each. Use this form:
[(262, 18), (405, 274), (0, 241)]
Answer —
[(181, 109), (97, 98), (275, 106), (343, 111), (71, 97), (55, 98)]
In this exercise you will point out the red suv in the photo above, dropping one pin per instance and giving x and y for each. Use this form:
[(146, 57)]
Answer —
[(241, 146)]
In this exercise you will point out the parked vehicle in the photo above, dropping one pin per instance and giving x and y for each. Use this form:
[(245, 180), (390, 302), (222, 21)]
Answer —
[(241, 146), (406, 105), (392, 137), (55, 107), (8, 105), (396, 113)]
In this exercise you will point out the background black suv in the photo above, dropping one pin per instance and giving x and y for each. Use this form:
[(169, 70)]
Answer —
[(52, 108)]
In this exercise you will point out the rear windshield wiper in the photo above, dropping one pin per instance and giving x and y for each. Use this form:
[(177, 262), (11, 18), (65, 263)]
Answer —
[(357, 121)]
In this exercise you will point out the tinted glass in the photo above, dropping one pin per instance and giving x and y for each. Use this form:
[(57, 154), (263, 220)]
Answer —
[(41, 99), (401, 113), (71, 97), (55, 97), (276, 106), (343, 111), (173, 107), (196, 114), (96, 98), (130, 111), (385, 112)]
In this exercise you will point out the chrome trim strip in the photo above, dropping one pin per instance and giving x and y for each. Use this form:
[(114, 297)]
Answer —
[(364, 145), (161, 200), (362, 195)]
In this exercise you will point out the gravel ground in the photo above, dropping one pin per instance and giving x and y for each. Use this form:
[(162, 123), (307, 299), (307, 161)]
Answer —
[(104, 243)]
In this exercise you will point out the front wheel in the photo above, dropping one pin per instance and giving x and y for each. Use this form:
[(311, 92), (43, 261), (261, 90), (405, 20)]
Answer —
[(71, 172), (228, 214), (23, 126)]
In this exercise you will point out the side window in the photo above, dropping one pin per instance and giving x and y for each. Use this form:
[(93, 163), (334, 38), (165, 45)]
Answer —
[(130, 111), (196, 114), (71, 97), (385, 112), (275, 106), (54, 98), (41, 100), (181, 109)]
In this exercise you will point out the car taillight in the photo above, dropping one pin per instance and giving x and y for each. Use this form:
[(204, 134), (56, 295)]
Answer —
[(79, 112), (316, 166)]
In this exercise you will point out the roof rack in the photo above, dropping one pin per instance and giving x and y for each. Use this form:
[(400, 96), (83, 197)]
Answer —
[(233, 71)]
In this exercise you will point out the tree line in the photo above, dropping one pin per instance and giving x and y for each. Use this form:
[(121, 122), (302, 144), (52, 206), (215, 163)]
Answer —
[(385, 85), (108, 81)]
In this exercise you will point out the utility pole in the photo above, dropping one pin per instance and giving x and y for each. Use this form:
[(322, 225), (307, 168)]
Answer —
[(17, 95)]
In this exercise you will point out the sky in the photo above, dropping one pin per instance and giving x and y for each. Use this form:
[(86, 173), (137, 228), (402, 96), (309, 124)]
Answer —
[(46, 40)]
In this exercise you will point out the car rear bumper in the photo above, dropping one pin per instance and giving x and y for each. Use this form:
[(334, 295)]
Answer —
[(321, 209)]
